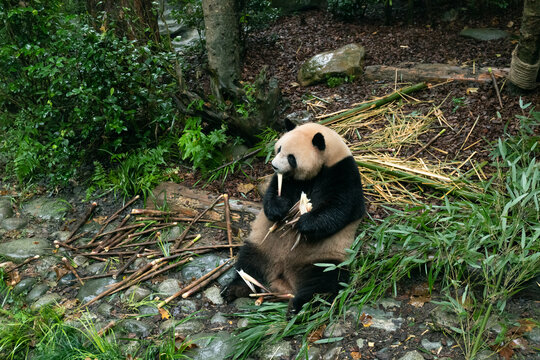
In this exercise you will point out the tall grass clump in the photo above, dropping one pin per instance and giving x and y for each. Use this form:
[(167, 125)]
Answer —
[(476, 253)]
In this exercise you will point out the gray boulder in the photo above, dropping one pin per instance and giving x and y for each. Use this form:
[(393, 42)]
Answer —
[(21, 249), (347, 60), (484, 34)]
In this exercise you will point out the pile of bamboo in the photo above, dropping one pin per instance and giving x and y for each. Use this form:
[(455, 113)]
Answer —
[(138, 235), (388, 127)]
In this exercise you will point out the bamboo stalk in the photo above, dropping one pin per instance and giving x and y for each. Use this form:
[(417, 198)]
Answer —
[(120, 239), (67, 264), (192, 284), (151, 230), (376, 103), (228, 220), (126, 264), (184, 233), (203, 283), (496, 87), (26, 261), (407, 177), (111, 239), (427, 145), (81, 222), (112, 217), (106, 328)]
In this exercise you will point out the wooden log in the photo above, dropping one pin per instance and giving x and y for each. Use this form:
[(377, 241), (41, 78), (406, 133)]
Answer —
[(431, 72)]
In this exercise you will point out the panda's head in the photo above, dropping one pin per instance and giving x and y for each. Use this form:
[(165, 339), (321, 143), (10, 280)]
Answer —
[(302, 152)]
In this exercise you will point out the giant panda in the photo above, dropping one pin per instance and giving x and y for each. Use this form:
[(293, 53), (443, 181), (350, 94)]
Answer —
[(315, 160)]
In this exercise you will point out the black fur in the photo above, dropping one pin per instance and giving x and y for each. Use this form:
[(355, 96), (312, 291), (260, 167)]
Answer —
[(289, 125), (252, 262), (335, 193), (314, 280), (318, 141)]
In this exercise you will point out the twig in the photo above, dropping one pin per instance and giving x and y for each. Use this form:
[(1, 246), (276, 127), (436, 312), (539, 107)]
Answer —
[(151, 230), (119, 240), (203, 283), (72, 269), (243, 157), (496, 87), (26, 261), (278, 295), (184, 234), (123, 228), (82, 222), (112, 217), (171, 218), (111, 289), (469, 134), (193, 284), (126, 264), (228, 220), (427, 145), (106, 328), (122, 246), (110, 239)]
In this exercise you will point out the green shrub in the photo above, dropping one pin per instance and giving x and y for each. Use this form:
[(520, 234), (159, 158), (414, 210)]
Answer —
[(68, 90), (346, 9)]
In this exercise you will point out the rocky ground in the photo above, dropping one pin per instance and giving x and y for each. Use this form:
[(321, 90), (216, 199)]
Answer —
[(400, 327)]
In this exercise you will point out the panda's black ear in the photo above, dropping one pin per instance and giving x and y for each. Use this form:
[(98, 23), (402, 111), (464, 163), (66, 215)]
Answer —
[(318, 141), (289, 125)]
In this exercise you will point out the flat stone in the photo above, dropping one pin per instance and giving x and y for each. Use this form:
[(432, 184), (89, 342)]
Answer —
[(313, 353), (218, 318), (168, 287), (347, 60), (46, 208), (335, 330), (185, 306), (200, 266), (36, 292), (93, 288), (388, 303), (189, 327), (47, 299), (67, 280), (60, 235), (148, 310), (243, 303), (214, 346), (137, 327), (104, 309), (213, 294), (242, 323), (412, 355), (360, 343), (97, 268), (443, 320), (279, 350), (6, 211), (534, 336), (431, 346), (383, 320), (483, 34), (136, 293), (24, 285), (21, 249), (332, 353)]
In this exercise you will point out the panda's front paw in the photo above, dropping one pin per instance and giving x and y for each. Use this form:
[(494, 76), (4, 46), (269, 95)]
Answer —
[(276, 209), (306, 224)]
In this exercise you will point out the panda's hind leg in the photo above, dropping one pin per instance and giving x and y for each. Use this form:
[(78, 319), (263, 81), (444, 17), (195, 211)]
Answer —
[(314, 280), (251, 261)]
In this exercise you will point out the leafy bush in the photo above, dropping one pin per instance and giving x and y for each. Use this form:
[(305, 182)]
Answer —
[(68, 90), (346, 9)]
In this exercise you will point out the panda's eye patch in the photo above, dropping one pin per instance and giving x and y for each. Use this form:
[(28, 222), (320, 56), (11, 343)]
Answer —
[(278, 150), (292, 161)]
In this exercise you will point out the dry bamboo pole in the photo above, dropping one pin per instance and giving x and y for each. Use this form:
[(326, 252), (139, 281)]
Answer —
[(205, 282), (376, 103), (81, 222), (407, 177), (110, 239), (68, 265), (26, 261), (427, 145), (126, 264), (184, 233), (112, 217), (228, 220), (193, 284), (151, 230)]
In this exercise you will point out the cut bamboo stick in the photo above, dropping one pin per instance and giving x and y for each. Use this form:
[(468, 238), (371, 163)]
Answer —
[(81, 222), (228, 221)]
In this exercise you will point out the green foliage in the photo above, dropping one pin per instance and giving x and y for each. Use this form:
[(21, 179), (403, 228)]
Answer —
[(68, 90), (203, 150), (347, 9), (334, 81), (132, 173), (266, 144), (458, 102), (258, 14)]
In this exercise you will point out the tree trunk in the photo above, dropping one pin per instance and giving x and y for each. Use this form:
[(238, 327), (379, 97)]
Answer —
[(134, 19), (222, 28), (526, 57)]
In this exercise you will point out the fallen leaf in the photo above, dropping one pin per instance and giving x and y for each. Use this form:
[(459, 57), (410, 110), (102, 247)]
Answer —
[(245, 188), (164, 313), (366, 320), (506, 352), (316, 334), (472, 90), (525, 325), (60, 272), (510, 24), (420, 295), (100, 219), (356, 355), (69, 304), (14, 278)]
